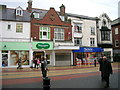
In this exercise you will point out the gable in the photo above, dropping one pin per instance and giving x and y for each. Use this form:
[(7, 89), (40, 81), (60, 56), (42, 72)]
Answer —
[(52, 17)]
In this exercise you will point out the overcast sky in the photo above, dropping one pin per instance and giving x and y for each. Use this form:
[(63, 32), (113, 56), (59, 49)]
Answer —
[(92, 8)]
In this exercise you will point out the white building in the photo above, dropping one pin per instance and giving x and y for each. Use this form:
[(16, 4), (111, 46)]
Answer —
[(84, 36), (14, 36)]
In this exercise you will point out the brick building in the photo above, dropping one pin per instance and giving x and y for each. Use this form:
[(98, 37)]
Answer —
[(116, 39)]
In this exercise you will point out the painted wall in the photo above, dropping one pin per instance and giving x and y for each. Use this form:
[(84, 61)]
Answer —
[(11, 35)]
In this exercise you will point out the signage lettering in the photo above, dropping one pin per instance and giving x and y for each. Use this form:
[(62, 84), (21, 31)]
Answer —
[(43, 45)]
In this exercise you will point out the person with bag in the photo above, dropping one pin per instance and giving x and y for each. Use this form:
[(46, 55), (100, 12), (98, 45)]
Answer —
[(106, 70)]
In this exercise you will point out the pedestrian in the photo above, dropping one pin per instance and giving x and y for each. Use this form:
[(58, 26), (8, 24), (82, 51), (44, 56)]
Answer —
[(106, 70), (44, 66), (38, 63), (20, 63), (35, 62), (95, 61)]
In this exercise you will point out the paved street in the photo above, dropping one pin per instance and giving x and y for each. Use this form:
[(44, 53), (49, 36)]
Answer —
[(61, 77)]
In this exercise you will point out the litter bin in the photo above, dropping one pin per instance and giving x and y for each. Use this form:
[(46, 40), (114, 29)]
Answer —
[(46, 83)]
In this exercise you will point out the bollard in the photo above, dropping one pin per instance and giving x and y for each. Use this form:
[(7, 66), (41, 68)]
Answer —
[(46, 83)]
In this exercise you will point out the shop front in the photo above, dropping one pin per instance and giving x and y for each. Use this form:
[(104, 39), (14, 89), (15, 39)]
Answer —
[(42, 48), (86, 55), (12, 51)]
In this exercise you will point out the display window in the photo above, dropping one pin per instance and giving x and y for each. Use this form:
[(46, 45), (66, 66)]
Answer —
[(15, 55)]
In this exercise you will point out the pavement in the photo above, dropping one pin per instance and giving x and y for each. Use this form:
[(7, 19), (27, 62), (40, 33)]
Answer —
[(11, 77)]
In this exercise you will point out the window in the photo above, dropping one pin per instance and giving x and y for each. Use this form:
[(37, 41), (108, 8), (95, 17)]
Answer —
[(36, 15), (92, 30), (19, 12), (116, 43), (78, 28), (78, 41), (92, 42), (59, 33), (19, 28), (105, 35), (116, 30), (44, 33), (9, 27), (62, 18), (104, 22)]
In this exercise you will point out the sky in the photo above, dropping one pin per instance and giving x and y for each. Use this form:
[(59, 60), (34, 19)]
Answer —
[(92, 8)]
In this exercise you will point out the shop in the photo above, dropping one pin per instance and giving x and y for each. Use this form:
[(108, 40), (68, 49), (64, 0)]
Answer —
[(12, 51), (86, 55), (40, 49)]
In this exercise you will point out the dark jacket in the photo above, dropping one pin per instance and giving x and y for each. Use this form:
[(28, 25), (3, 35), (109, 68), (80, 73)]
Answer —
[(105, 67)]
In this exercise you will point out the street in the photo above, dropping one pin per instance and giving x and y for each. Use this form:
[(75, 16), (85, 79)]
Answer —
[(89, 79)]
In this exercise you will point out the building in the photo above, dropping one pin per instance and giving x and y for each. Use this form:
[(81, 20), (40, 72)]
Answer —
[(116, 39), (85, 36), (51, 28), (105, 35), (14, 36)]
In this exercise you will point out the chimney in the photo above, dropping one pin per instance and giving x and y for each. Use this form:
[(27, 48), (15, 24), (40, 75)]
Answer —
[(62, 10), (29, 8)]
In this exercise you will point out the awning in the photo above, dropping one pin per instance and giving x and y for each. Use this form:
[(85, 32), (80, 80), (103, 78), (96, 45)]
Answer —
[(89, 49)]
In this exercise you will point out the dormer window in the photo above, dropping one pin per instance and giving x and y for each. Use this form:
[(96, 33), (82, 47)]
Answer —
[(104, 22), (36, 15), (19, 11)]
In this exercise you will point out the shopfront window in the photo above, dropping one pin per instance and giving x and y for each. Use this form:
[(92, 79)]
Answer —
[(4, 58), (15, 55)]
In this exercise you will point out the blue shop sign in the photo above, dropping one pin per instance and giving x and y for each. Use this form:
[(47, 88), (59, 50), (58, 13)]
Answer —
[(89, 49)]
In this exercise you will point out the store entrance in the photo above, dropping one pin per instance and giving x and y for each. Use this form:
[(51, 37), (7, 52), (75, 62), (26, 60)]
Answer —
[(38, 54)]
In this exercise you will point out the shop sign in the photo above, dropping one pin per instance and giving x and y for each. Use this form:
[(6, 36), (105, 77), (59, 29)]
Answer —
[(43, 45)]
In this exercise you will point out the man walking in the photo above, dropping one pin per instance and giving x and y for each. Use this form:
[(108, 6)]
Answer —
[(106, 70)]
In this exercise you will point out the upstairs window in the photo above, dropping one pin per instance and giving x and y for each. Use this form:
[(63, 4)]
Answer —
[(116, 43), (78, 28), (36, 15), (78, 41), (105, 35), (92, 30), (92, 41), (44, 33), (59, 33), (19, 28), (9, 27), (116, 30)]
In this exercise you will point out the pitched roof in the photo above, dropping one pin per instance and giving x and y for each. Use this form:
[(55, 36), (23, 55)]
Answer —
[(10, 15)]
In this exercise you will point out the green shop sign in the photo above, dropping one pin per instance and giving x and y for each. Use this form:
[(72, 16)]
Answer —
[(43, 45)]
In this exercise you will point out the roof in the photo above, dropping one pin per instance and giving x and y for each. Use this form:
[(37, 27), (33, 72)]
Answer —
[(9, 14), (82, 16), (116, 21)]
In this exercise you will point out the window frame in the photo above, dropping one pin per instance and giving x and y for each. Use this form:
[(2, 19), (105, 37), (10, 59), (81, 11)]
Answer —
[(42, 31), (116, 31), (92, 29), (20, 26), (78, 27), (92, 41), (116, 42), (76, 41), (105, 35), (59, 34)]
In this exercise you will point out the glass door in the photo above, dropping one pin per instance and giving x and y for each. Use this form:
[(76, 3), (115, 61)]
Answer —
[(4, 59)]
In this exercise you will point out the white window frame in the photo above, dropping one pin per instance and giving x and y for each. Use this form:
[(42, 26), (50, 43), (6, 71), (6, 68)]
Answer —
[(116, 31), (44, 30), (78, 27), (36, 15), (92, 30), (59, 33), (20, 27), (116, 42), (92, 41), (19, 12), (78, 40)]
